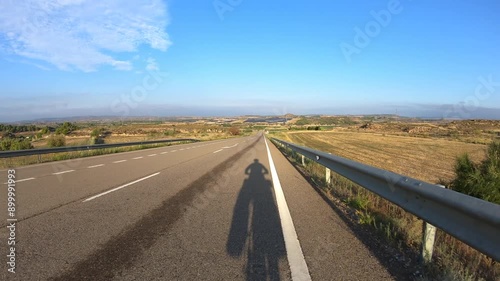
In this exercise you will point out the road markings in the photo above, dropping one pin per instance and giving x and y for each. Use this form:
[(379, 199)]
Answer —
[(298, 266), (151, 155), (181, 149), (28, 179), (95, 166), (63, 172), (173, 151), (230, 146), (165, 152), (140, 157), (120, 187), (225, 147), (119, 161)]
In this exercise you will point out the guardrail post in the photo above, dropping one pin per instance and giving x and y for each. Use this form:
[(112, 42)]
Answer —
[(328, 176), (429, 235), (303, 161)]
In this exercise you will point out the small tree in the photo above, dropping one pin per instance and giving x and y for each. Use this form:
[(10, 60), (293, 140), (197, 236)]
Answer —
[(481, 180), (56, 141), (45, 130), (66, 128)]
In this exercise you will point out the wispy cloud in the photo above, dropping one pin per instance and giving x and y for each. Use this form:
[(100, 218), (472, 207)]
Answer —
[(82, 34), (152, 65)]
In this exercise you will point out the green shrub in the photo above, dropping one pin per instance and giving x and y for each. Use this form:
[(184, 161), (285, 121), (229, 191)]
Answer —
[(481, 180), (15, 144), (45, 130), (56, 141)]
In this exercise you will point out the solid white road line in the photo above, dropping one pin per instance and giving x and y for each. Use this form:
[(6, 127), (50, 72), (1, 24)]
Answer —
[(119, 161), (218, 150), (63, 172), (120, 187), (95, 166), (140, 157), (298, 266)]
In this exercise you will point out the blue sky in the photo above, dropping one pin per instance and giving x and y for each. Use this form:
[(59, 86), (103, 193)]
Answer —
[(232, 57)]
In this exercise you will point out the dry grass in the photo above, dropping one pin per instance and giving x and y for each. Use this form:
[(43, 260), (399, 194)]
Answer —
[(426, 159), (430, 160)]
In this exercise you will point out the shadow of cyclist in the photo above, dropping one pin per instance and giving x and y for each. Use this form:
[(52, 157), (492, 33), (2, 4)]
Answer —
[(256, 227)]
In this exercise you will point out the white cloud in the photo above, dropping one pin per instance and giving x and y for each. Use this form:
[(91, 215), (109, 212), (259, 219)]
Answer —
[(122, 65), (82, 34), (152, 65)]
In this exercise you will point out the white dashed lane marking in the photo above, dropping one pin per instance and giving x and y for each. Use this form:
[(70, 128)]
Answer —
[(95, 166), (119, 161), (28, 179), (21, 180), (63, 172), (120, 187)]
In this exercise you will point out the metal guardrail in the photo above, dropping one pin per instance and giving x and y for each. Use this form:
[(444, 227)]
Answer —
[(471, 220), (28, 152)]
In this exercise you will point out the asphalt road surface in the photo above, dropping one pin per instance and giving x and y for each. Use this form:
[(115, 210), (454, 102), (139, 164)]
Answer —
[(222, 210)]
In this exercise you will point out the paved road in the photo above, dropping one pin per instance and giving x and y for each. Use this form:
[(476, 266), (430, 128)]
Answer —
[(217, 210)]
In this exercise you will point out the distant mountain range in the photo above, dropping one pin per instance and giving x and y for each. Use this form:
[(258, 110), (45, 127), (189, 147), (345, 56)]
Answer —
[(243, 118)]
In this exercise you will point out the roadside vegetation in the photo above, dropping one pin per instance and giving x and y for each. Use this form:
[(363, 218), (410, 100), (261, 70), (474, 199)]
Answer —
[(481, 180), (20, 137), (466, 166)]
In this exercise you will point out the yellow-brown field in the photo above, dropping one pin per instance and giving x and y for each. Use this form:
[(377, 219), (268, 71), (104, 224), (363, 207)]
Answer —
[(425, 159)]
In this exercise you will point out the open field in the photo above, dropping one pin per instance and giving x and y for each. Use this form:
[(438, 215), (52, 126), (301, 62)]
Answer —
[(426, 159)]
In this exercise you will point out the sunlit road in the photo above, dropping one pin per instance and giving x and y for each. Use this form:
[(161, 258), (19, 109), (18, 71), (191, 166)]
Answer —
[(217, 210)]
